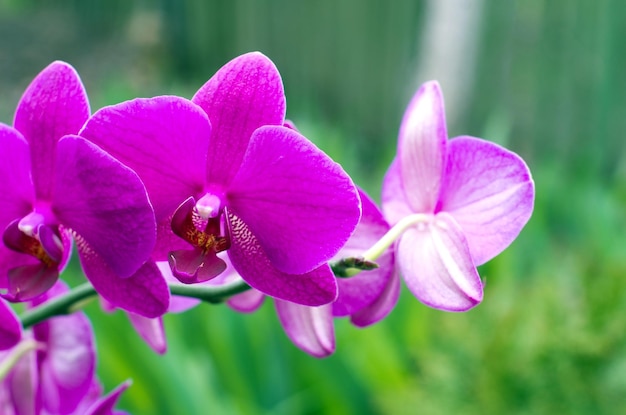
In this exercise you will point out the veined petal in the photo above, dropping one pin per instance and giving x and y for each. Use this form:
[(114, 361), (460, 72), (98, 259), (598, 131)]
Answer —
[(394, 202), (243, 95), (489, 192), (53, 105), (17, 193), (145, 293), (437, 266), (150, 330), (301, 206), (10, 327), (68, 366), (422, 148), (361, 290), (309, 328), (313, 288), (163, 139), (105, 203)]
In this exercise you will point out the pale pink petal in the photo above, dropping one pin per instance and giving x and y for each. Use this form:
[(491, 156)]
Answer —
[(394, 202), (163, 139), (22, 384), (300, 205), (422, 148), (53, 105), (10, 327), (313, 288), (309, 328), (150, 330), (437, 266), (243, 95), (489, 192), (247, 301)]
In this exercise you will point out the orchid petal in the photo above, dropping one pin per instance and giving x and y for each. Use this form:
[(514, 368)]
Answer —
[(105, 203), (422, 148), (301, 206), (247, 301), (30, 281), (309, 328), (105, 405), (53, 105), (145, 292), (191, 266), (69, 365), (313, 288), (394, 202), (437, 266), (364, 288), (163, 139), (178, 304), (380, 308), (17, 193), (489, 192), (150, 330), (22, 384), (10, 327), (243, 95)]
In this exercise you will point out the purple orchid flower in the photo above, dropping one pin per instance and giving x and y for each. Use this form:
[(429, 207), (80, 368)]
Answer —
[(241, 183), (10, 327), (366, 297), (461, 202), (55, 185)]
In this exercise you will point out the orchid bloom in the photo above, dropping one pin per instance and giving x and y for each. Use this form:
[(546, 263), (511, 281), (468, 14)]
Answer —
[(224, 174), (55, 364), (366, 297), (10, 327), (459, 203), (55, 185)]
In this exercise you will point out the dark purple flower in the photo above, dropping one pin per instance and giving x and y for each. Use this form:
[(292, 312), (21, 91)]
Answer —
[(224, 174), (459, 203), (55, 185)]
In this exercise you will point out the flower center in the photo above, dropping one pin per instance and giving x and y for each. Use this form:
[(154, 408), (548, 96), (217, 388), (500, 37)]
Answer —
[(200, 224), (33, 236)]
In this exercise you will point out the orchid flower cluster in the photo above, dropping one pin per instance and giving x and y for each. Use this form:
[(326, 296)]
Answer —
[(170, 201)]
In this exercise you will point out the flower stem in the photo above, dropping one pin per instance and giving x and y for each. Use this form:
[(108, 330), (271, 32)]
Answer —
[(15, 355), (394, 233), (78, 297)]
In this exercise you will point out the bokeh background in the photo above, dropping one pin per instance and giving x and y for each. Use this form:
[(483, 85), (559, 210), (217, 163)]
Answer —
[(544, 78)]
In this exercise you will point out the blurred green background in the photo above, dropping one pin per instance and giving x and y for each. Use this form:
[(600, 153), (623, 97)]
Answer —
[(545, 78)]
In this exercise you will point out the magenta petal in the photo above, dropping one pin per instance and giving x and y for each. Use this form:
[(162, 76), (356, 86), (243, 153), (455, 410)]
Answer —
[(163, 139), (299, 203), (105, 203), (394, 201), (178, 304), (489, 192), (309, 328), (437, 266), (145, 292), (10, 327), (192, 266), (150, 330), (243, 95), (313, 288), (380, 308), (22, 384), (30, 281), (68, 365), (17, 193), (422, 148), (53, 105), (106, 405), (361, 290)]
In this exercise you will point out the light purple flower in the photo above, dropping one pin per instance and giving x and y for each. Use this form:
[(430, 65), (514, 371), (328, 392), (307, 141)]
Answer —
[(223, 174), (461, 201), (366, 297), (55, 185)]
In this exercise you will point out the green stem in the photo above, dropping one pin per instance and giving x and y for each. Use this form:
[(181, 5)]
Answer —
[(15, 355), (78, 297)]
